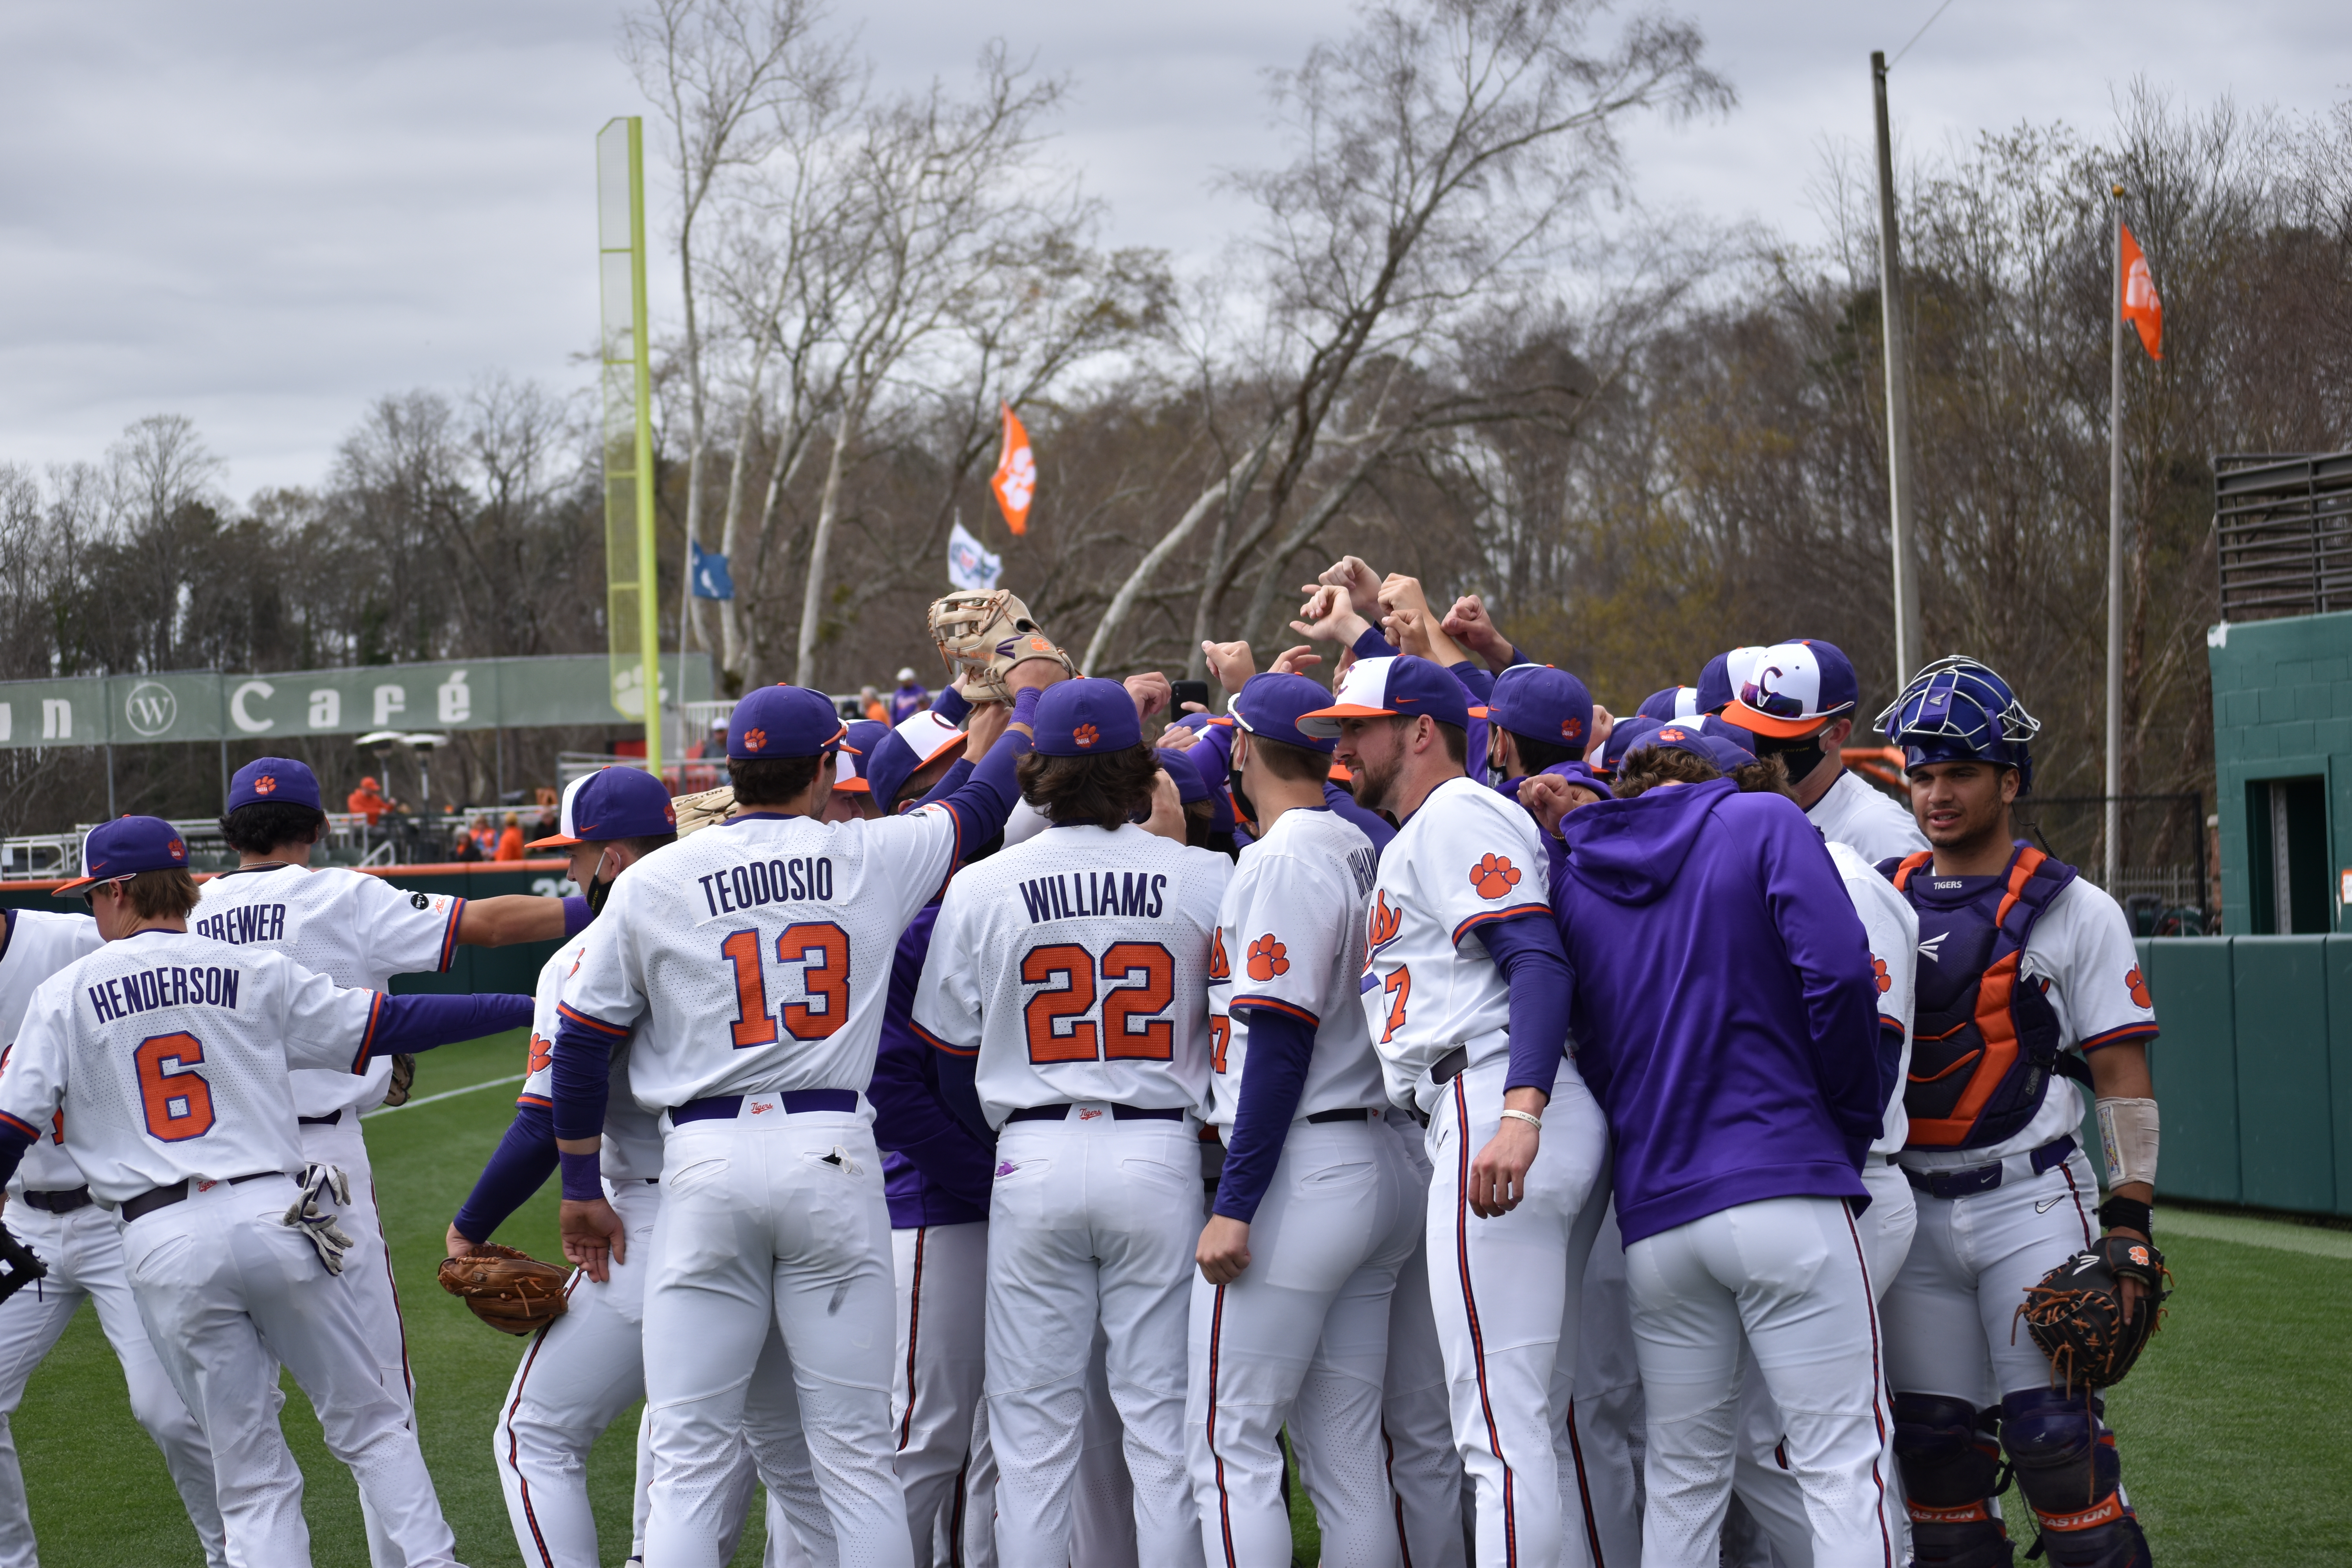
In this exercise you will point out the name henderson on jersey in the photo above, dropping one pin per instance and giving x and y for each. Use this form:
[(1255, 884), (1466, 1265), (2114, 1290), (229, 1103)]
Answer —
[(166, 985), (1074, 893)]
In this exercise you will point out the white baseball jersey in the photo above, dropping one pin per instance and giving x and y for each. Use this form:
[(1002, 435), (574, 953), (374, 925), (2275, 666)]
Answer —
[(38, 944), (1892, 926), (1076, 966), (633, 1145), (1876, 826), (1466, 858), (758, 951), (358, 931), (2081, 947), (171, 1055), (1290, 937)]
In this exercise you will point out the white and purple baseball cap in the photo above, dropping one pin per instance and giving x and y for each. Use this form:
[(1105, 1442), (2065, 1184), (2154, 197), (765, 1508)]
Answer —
[(912, 744), (1272, 706), (609, 804), (1089, 717), (1669, 703), (124, 848), (1395, 685), (1542, 703), (274, 779), (1794, 688), (783, 721), (1720, 682), (856, 757)]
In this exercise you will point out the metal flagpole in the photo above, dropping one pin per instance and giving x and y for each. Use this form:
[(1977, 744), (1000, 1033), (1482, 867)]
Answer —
[(2115, 564), (1898, 396)]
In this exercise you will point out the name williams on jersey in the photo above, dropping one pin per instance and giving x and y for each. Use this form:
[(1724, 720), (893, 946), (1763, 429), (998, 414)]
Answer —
[(1075, 893)]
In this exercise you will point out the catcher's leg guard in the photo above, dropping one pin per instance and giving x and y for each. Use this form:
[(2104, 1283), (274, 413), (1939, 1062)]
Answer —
[(1952, 1460), (2067, 1466)]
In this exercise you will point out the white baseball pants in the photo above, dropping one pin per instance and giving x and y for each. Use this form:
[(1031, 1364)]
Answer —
[(1604, 1440), (1952, 1308), (578, 1374), (1425, 1468), (368, 1268), (1301, 1339), (1787, 1274), (1092, 1223), (1760, 1473), (229, 1293), (84, 1253), (1507, 1293), (941, 1274), (775, 1221), (1102, 1498)]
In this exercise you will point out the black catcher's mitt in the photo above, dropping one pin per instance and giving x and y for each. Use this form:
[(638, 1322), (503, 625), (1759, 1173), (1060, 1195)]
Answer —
[(2076, 1313), (21, 1267)]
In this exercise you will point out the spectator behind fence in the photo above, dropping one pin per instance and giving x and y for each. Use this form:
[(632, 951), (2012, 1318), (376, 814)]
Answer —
[(368, 800), (510, 841)]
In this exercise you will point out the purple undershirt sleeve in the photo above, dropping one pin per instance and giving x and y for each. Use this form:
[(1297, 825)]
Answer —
[(1280, 1047), (1372, 645), (951, 705), (576, 916), (15, 1141), (1526, 949), (413, 1024), (582, 1081), (987, 798), (518, 1168)]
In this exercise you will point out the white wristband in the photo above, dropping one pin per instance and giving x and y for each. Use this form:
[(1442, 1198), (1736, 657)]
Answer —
[(1530, 1117)]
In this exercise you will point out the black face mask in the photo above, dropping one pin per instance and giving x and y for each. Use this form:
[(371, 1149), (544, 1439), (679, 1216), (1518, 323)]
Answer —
[(598, 889), (1240, 796), (1800, 757)]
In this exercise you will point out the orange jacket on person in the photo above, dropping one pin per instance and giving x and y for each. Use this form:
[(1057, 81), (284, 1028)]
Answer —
[(510, 841), (367, 801)]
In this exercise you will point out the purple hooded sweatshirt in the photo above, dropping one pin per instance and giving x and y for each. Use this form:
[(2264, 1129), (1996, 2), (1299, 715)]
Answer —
[(1728, 1021)]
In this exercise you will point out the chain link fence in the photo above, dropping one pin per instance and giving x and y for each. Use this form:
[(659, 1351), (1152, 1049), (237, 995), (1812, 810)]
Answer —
[(2165, 881)]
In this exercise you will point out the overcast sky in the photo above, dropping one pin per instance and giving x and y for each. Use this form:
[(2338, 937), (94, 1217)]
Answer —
[(264, 216)]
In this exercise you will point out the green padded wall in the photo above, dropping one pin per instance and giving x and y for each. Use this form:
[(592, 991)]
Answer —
[(2195, 1062)]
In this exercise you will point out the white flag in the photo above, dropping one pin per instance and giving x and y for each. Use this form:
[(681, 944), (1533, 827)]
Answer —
[(968, 566)]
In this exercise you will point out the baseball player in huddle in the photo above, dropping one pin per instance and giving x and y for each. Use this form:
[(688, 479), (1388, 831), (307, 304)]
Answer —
[(171, 1055), (1799, 700), (1316, 1207), (1068, 976), (52, 1212), (358, 931), (756, 954), (1467, 996), (2028, 986)]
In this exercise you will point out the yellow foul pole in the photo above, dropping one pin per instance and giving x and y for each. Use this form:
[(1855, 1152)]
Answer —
[(632, 574)]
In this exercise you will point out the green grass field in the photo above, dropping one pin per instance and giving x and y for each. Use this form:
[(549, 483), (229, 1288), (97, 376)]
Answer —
[(2236, 1430)]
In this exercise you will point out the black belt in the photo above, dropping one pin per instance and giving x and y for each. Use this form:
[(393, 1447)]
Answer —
[(155, 1198), (60, 1202), (1976, 1179), (330, 1120), (1061, 1109), (1353, 1114), (795, 1102), (1450, 1065)]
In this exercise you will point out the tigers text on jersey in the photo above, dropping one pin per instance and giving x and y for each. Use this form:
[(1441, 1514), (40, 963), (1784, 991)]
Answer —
[(1467, 858), (755, 955), (2081, 949), (1076, 966), (1290, 936), (40, 943), (170, 1055), (1892, 926), (358, 931), (633, 1145)]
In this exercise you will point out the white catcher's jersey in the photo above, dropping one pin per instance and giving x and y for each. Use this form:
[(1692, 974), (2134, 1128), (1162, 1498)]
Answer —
[(358, 931), (1290, 937), (170, 1054), (757, 952), (1877, 828), (2082, 948), (1466, 858), (633, 1146), (1892, 926), (1076, 966), (40, 943)]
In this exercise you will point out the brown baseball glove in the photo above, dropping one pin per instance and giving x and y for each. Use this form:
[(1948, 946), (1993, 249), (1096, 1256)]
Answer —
[(981, 635), (512, 1291), (2076, 1313), (404, 1077), (699, 811)]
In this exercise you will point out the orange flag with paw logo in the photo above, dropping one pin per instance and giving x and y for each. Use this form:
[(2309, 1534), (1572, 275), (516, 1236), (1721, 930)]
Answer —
[(2141, 308), (1016, 481)]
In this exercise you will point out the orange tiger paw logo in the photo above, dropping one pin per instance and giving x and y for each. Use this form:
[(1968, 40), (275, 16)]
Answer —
[(1571, 728), (265, 784), (1493, 875), (755, 739), (1886, 981), (1085, 735), (1265, 958), (2136, 984)]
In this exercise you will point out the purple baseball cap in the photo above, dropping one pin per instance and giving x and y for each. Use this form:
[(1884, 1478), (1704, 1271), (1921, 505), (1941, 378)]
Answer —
[(1670, 704), (908, 747), (1087, 718), (1189, 785), (274, 779), (609, 804), (1542, 703), (1394, 686), (124, 848), (783, 721), (1270, 707), (1720, 681), (1627, 735), (857, 752)]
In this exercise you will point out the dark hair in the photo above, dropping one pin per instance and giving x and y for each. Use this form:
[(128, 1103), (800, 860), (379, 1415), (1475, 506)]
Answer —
[(1765, 776), (1536, 755), (260, 826), (1292, 764), (155, 894), (1646, 767), (1457, 740), (1106, 791), (772, 780)]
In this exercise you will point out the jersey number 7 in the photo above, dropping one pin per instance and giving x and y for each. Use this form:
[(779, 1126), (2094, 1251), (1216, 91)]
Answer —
[(821, 949), (1146, 974)]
